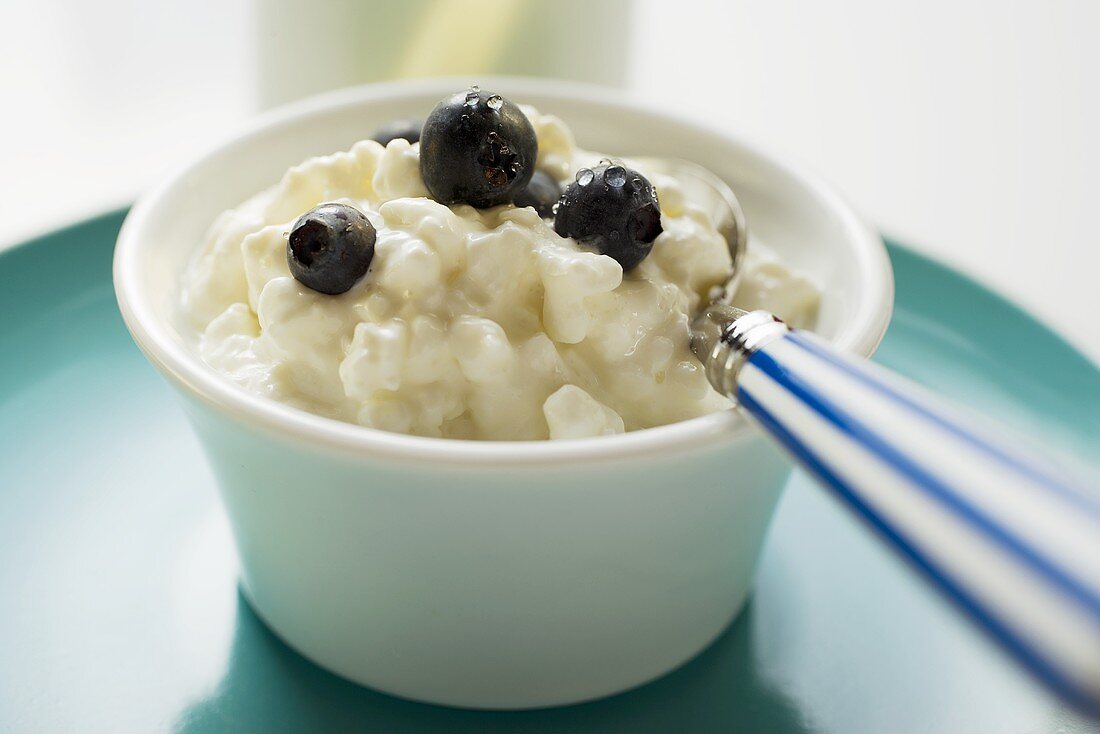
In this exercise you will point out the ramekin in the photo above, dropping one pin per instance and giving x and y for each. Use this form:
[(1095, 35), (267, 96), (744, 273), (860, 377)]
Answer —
[(490, 574)]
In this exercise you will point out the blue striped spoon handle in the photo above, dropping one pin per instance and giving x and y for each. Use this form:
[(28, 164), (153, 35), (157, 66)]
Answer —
[(1011, 543)]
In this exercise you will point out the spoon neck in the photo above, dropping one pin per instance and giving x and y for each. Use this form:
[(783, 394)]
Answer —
[(739, 340)]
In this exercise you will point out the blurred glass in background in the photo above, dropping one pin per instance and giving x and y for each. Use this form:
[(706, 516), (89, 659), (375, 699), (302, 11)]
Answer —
[(307, 47)]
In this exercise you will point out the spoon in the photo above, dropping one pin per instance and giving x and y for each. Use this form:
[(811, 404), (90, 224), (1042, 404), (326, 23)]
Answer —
[(1000, 533)]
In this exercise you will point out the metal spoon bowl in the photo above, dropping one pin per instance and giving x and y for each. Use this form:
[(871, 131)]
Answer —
[(702, 188)]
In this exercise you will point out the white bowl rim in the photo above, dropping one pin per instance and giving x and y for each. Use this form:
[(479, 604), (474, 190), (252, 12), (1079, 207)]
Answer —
[(860, 335)]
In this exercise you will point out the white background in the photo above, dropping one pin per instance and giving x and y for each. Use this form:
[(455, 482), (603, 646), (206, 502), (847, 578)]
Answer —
[(968, 128)]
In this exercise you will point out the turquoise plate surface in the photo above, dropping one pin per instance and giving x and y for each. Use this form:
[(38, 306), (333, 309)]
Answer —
[(119, 609)]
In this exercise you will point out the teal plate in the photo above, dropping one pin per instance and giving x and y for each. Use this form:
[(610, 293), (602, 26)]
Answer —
[(119, 609)]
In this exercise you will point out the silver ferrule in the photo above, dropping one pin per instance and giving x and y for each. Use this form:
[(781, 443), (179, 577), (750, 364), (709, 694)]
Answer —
[(724, 338)]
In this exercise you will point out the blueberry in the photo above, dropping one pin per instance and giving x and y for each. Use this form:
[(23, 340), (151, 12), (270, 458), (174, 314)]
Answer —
[(613, 209), (477, 148), (330, 248), (407, 129), (540, 194)]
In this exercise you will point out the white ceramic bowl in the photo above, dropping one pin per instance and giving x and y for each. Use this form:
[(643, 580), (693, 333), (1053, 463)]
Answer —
[(490, 574)]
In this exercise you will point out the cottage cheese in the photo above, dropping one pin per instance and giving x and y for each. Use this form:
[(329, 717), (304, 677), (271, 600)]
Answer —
[(476, 324)]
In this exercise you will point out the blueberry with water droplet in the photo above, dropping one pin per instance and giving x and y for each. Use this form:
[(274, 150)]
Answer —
[(330, 248), (477, 148), (540, 194), (407, 129), (600, 210)]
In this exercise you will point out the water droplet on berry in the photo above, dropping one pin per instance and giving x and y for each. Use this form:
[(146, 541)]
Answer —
[(615, 176), (606, 161), (554, 209), (637, 184), (585, 176), (495, 102), (472, 97)]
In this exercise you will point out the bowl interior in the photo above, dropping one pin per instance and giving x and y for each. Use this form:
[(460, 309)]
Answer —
[(801, 219)]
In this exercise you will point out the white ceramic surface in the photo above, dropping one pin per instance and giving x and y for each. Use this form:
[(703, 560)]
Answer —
[(499, 575)]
